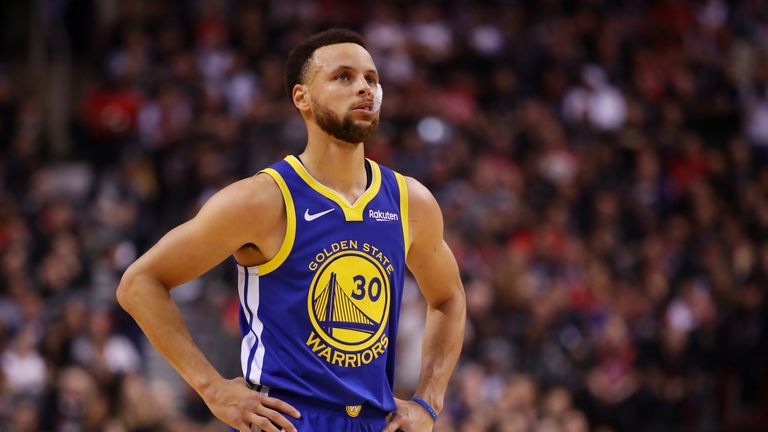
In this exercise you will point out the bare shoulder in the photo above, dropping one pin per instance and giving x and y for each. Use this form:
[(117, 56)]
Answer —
[(258, 192), (252, 206)]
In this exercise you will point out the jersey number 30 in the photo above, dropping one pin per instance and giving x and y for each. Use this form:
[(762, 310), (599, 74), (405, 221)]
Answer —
[(374, 288)]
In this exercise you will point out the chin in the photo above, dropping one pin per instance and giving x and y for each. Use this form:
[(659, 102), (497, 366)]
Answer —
[(366, 122)]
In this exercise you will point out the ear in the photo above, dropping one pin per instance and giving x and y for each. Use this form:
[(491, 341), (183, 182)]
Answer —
[(300, 97)]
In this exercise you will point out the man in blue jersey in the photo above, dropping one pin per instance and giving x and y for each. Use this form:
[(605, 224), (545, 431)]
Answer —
[(322, 241)]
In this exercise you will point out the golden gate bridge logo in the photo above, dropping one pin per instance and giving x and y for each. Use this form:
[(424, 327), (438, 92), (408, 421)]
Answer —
[(335, 309), (348, 301)]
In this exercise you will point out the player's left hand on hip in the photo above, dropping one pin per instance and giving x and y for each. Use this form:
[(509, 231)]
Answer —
[(409, 417)]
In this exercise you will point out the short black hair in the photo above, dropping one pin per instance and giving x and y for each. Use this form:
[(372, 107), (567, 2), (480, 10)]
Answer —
[(298, 58)]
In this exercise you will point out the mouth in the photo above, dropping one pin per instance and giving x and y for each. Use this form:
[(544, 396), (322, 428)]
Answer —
[(365, 106)]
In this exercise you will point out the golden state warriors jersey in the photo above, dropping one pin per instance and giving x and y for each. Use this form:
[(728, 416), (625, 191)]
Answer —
[(319, 320)]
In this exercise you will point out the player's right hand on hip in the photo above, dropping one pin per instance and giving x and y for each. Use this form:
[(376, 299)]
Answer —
[(232, 402)]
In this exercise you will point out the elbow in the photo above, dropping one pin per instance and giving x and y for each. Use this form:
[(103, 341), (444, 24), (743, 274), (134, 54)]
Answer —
[(125, 289), (459, 298), (138, 287), (135, 287), (455, 305), (459, 306)]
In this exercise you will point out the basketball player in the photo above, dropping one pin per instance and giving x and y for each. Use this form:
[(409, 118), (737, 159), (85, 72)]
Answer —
[(322, 240)]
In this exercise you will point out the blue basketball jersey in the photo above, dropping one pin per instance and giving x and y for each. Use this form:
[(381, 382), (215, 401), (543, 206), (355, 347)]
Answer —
[(319, 320)]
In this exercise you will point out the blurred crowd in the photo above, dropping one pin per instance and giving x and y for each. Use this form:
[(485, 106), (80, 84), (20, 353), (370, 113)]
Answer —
[(601, 165)]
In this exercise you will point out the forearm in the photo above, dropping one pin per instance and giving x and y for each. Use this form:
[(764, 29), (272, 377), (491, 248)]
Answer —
[(443, 338), (149, 303)]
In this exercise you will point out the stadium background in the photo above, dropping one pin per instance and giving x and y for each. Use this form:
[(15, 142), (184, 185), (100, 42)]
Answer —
[(601, 166)]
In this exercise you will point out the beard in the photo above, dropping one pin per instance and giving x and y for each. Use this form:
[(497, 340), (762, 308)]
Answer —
[(343, 129)]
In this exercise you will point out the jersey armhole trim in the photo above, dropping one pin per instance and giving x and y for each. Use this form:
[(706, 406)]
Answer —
[(404, 211), (290, 225)]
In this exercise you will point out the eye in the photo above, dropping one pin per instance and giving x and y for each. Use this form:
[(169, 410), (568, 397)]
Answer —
[(342, 77), (371, 80)]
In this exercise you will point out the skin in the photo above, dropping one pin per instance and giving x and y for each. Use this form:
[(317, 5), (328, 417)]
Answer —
[(339, 78)]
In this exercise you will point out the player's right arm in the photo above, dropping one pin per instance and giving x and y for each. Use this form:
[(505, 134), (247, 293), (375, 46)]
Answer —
[(246, 212)]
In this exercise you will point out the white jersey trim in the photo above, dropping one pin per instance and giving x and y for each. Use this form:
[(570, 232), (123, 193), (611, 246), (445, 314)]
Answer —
[(252, 347)]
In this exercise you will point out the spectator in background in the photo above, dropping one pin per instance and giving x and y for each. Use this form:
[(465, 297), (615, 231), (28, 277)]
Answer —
[(103, 352), (601, 167), (594, 103), (22, 365)]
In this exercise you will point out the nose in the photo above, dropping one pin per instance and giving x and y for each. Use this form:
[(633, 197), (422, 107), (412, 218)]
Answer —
[(364, 88)]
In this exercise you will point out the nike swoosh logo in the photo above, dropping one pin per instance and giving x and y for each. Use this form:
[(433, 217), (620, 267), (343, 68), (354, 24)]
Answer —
[(310, 217)]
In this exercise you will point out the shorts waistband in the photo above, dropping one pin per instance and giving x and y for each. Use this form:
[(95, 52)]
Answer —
[(362, 411)]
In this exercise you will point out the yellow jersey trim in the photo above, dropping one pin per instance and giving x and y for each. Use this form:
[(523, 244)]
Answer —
[(290, 226), (352, 212), (404, 211)]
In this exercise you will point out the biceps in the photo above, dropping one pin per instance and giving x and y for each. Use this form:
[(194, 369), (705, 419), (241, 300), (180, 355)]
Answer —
[(184, 253), (436, 272)]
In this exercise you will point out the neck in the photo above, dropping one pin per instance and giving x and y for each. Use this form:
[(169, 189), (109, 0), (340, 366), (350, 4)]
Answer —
[(336, 164)]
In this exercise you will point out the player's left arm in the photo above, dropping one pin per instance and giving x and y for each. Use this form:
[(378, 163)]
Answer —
[(434, 267)]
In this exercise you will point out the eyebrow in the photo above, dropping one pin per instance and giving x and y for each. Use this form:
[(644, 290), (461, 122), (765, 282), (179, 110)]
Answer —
[(345, 67)]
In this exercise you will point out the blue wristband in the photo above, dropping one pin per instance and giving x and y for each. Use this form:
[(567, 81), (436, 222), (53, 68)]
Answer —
[(426, 406)]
